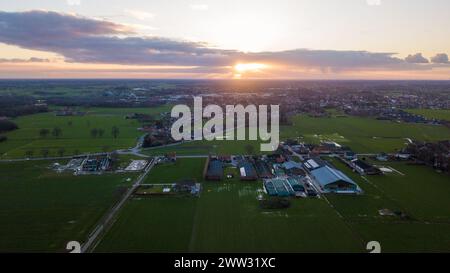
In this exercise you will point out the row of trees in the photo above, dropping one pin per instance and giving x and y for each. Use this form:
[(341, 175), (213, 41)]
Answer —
[(100, 132), (57, 132), (45, 152)]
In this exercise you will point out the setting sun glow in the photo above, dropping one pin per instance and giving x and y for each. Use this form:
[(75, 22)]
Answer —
[(249, 67)]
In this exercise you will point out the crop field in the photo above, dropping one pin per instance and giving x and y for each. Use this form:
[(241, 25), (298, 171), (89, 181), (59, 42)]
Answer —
[(75, 135), (432, 114), (40, 210)]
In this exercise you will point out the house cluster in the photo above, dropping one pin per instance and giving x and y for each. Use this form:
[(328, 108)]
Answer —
[(158, 131), (403, 116)]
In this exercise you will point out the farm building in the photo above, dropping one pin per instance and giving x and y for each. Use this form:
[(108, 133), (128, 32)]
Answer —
[(284, 187), (263, 169), (332, 180), (188, 186), (225, 158), (349, 155), (364, 168), (247, 171), (382, 157), (295, 184), (313, 163), (213, 169), (293, 168)]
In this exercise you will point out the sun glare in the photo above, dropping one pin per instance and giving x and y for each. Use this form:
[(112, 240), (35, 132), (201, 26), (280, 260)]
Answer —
[(249, 67)]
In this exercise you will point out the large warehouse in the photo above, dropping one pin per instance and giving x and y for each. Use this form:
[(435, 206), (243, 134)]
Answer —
[(331, 180)]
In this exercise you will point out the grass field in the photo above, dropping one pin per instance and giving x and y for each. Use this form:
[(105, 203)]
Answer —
[(431, 113), (363, 135), (206, 147), (76, 132), (41, 210), (227, 218), (172, 172), (420, 192)]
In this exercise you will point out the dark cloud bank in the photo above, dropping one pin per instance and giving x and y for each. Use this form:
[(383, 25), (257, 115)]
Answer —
[(85, 40)]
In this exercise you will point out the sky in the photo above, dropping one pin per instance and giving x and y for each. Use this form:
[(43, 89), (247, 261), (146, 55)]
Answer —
[(265, 39)]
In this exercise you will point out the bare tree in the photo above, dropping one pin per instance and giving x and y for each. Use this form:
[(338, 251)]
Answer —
[(29, 153), (56, 132), (61, 151), (45, 152), (115, 131), (101, 132), (94, 132), (44, 132)]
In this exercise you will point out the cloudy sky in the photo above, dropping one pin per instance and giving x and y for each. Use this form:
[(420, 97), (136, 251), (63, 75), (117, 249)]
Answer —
[(280, 39)]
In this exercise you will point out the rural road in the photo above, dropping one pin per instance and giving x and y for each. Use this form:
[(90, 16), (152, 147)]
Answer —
[(105, 222)]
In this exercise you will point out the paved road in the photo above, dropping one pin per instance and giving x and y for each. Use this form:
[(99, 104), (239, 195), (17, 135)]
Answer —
[(105, 223)]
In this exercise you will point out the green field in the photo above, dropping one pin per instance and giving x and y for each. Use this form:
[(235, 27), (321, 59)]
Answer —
[(432, 114), (419, 191), (363, 135), (173, 172), (76, 132), (40, 210), (227, 218), (206, 147)]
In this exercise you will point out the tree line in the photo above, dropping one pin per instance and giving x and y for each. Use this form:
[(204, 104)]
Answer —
[(95, 132)]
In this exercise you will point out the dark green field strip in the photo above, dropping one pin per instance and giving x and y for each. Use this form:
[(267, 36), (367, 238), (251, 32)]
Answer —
[(41, 210)]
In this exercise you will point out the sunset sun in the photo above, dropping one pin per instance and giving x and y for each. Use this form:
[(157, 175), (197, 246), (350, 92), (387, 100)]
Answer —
[(249, 67)]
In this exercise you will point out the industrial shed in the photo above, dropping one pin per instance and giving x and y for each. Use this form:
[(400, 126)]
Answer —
[(332, 180)]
